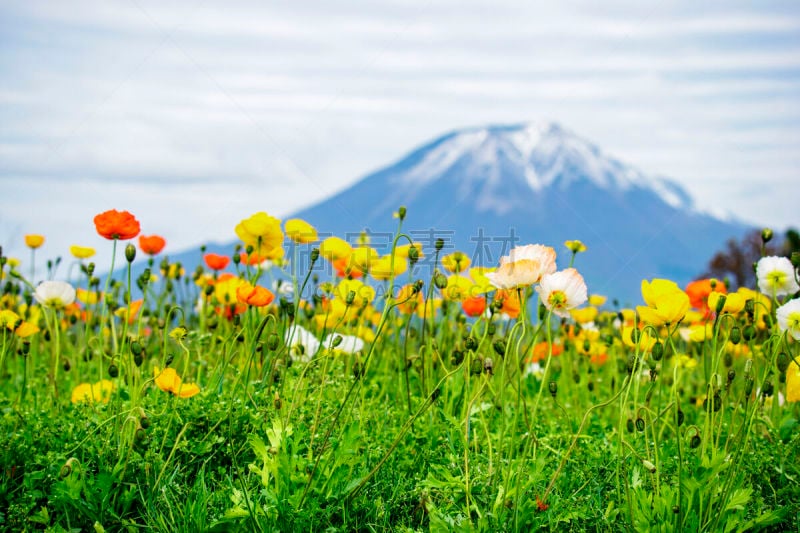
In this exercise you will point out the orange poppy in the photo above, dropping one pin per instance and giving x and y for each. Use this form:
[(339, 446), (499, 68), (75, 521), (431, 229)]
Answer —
[(117, 225), (474, 306), (254, 295), (152, 245), (699, 290), (540, 350), (216, 261), (510, 299), (346, 270)]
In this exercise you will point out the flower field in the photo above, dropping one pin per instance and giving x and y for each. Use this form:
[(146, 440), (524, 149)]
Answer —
[(358, 391)]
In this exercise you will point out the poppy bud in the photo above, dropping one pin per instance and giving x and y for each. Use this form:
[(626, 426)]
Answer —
[(680, 417), (629, 426), (457, 358), (728, 359), (401, 212), (731, 376), (439, 244), (721, 303), (140, 435), (337, 340), (749, 332), (658, 351), (695, 442), (413, 254), (144, 422), (750, 306), (476, 366), (113, 371), (314, 254), (66, 365), (767, 388), (490, 329), (351, 296), (782, 362), (130, 253), (499, 347), (471, 343), (766, 235), (736, 335), (749, 383), (236, 259), (795, 259), (640, 424), (553, 388), (439, 280), (272, 341), (653, 374)]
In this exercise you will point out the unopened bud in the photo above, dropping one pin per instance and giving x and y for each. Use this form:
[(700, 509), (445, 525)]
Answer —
[(439, 244), (736, 335), (767, 389), (314, 254), (721, 303), (553, 388), (782, 362), (351, 296), (113, 371), (640, 424), (695, 442), (413, 254), (795, 259), (630, 426), (658, 351), (337, 340), (276, 401), (499, 347), (439, 280), (749, 332), (272, 341), (130, 252), (401, 212), (766, 235)]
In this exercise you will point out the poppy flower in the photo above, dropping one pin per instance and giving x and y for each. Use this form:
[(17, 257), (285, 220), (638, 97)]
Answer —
[(169, 381), (382, 268), (303, 341), (793, 383), (254, 295), (54, 293), (152, 244), (455, 262), (474, 305), (562, 291), (335, 249), (34, 241), (541, 349), (666, 302), (93, 392), (216, 261), (776, 276), (117, 225), (262, 232), (699, 291), (524, 265), (81, 252), (300, 231), (345, 270), (788, 316)]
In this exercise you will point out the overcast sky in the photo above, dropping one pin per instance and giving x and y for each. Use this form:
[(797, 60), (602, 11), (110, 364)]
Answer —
[(193, 115)]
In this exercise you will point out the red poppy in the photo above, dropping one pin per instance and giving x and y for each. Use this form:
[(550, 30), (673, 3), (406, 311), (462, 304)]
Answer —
[(152, 245), (474, 306), (216, 261), (117, 225), (254, 295)]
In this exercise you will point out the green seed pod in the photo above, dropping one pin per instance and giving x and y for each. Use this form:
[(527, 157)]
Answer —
[(736, 335)]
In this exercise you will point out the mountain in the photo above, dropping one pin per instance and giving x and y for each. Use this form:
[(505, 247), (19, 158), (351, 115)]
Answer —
[(485, 189), (538, 183)]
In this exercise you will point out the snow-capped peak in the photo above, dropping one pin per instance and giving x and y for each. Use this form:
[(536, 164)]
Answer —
[(541, 154)]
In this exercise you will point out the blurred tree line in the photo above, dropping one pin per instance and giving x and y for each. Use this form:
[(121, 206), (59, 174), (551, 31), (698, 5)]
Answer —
[(736, 262)]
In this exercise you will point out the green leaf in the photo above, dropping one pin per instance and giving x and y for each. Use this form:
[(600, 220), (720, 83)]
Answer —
[(739, 499)]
